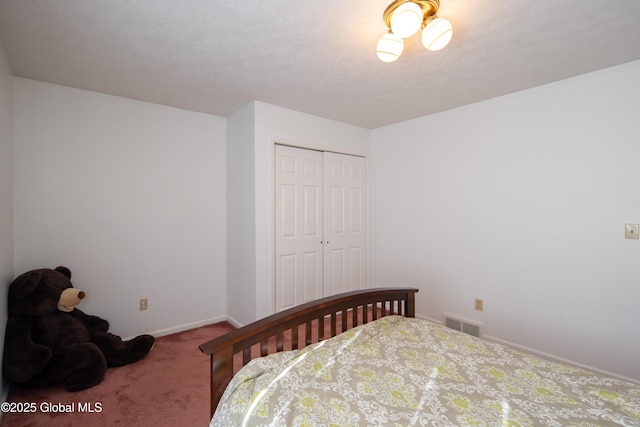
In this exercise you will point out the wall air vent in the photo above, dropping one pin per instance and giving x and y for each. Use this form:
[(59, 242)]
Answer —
[(463, 325)]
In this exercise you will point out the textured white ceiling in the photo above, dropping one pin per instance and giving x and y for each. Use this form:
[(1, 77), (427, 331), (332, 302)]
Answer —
[(316, 57)]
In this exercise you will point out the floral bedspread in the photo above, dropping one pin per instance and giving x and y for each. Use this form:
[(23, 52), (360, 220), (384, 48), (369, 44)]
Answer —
[(408, 372)]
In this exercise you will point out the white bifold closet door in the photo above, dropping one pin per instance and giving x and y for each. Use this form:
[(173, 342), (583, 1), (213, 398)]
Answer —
[(320, 231)]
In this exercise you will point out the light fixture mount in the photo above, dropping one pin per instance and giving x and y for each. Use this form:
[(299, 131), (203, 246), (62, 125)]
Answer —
[(429, 8)]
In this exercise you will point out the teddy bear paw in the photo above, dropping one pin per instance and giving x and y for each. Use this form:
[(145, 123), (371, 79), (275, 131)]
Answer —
[(141, 345)]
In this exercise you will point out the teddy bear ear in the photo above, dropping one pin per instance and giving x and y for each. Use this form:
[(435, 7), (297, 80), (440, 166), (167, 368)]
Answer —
[(26, 283), (64, 270)]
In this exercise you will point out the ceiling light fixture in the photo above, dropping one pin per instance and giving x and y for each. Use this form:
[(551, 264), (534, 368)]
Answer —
[(404, 18)]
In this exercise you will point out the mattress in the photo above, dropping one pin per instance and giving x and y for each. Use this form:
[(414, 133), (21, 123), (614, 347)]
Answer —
[(400, 371)]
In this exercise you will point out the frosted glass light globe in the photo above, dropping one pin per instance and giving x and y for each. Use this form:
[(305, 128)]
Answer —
[(389, 47), (437, 34), (406, 20)]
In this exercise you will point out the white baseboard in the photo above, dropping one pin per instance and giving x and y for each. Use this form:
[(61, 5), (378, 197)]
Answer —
[(419, 316), (187, 326), (558, 359), (544, 355), (234, 322)]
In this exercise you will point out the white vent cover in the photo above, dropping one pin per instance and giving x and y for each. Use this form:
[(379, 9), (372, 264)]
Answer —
[(462, 325)]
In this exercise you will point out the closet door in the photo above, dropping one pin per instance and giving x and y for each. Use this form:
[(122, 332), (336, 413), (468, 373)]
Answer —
[(320, 229), (298, 227), (345, 235)]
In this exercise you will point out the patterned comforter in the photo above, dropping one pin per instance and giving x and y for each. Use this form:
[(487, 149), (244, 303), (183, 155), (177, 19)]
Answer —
[(399, 371)]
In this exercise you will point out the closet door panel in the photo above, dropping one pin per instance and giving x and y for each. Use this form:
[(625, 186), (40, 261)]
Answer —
[(298, 227), (345, 223)]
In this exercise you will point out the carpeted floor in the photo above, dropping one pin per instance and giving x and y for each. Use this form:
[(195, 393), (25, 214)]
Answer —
[(170, 387)]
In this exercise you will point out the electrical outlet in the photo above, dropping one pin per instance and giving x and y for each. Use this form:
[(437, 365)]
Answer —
[(144, 304), (479, 304), (631, 231)]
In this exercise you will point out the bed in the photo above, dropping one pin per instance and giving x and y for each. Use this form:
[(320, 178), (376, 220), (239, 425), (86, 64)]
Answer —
[(362, 359)]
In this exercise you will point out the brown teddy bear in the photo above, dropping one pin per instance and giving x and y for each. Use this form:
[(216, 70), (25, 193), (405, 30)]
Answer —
[(49, 341)]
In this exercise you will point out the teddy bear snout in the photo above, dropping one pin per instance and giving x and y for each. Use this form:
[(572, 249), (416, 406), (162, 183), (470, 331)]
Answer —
[(69, 298)]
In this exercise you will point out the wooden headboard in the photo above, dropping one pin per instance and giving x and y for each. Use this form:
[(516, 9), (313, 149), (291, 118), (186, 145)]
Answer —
[(313, 321)]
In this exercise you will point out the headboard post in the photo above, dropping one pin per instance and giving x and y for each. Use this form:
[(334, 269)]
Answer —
[(221, 374), (410, 305)]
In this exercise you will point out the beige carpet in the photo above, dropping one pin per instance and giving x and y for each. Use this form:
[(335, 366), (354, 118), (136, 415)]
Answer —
[(170, 387)]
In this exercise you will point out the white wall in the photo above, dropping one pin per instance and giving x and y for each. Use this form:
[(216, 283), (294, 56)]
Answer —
[(131, 196), (522, 205), (522, 200), (6, 197), (241, 222)]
